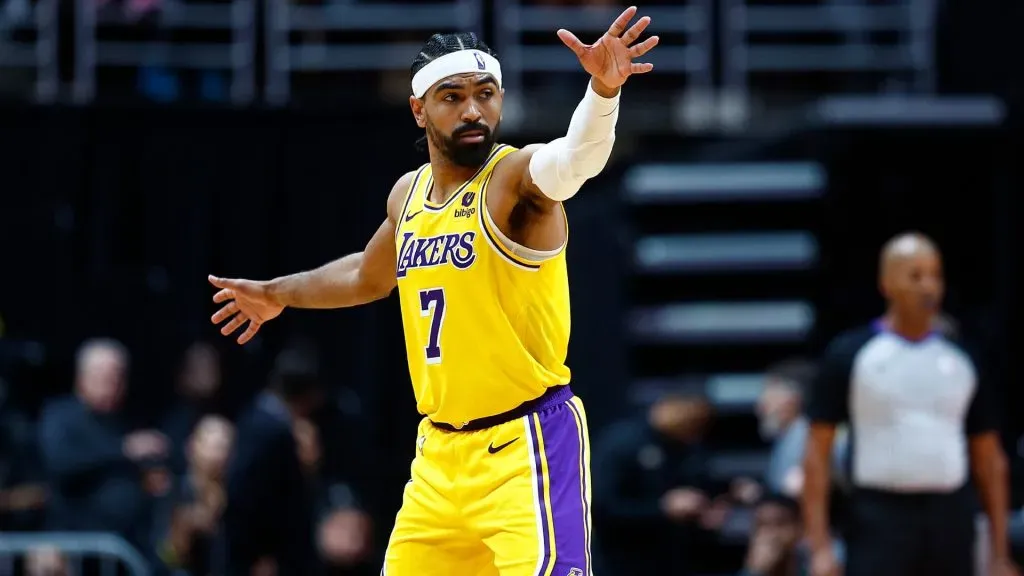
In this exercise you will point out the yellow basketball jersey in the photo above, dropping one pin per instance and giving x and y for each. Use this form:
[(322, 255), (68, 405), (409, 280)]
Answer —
[(486, 328)]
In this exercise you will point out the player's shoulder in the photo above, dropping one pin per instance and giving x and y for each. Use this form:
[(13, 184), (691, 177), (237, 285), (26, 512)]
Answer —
[(404, 183), (401, 189), (965, 349), (507, 156)]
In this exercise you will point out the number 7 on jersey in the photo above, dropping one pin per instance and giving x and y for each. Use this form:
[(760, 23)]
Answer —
[(432, 304)]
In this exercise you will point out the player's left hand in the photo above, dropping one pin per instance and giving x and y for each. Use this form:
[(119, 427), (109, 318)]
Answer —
[(610, 60)]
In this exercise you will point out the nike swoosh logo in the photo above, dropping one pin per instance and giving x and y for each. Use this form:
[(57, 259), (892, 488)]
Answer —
[(495, 449), (411, 216)]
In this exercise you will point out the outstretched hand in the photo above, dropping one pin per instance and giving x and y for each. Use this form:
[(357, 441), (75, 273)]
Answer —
[(248, 302), (610, 60)]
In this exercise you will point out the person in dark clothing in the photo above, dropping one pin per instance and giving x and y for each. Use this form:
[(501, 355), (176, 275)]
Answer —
[(921, 423), (100, 476), (269, 516), (650, 489), (344, 529), (191, 514), (198, 383), (775, 539)]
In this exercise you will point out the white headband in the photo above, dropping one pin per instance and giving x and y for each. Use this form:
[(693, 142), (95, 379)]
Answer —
[(461, 62)]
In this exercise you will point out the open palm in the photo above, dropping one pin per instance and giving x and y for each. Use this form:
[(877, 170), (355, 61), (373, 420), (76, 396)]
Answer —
[(610, 59), (246, 303)]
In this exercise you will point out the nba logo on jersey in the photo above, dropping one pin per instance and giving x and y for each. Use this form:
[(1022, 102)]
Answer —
[(479, 61)]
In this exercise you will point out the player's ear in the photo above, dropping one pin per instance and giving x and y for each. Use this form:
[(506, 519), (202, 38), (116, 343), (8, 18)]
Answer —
[(417, 111)]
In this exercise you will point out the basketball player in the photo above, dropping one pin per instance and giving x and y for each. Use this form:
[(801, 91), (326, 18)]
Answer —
[(475, 241)]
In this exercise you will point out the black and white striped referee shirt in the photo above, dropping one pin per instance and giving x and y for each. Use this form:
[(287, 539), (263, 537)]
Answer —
[(910, 405)]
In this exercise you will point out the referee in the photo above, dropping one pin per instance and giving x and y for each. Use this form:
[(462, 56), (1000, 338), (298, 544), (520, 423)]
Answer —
[(919, 419)]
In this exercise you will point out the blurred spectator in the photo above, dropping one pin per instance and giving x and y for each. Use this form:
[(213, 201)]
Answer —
[(198, 384), (192, 513), (650, 488), (307, 439), (101, 478), (781, 422), (774, 539), (344, 532), (344, 540), (268, 522)]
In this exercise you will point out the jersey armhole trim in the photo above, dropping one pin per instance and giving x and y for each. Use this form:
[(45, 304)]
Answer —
[(408, 198), (517, 254)]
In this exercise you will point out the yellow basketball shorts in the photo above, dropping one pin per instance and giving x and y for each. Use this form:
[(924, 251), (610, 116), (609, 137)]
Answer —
[(509, 500)]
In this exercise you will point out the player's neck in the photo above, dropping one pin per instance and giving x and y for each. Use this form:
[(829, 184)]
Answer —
[(907, 326), (448, 177)]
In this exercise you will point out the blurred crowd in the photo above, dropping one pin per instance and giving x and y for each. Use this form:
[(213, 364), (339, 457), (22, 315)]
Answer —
[(201, 493), (661, 509), (194, 492)]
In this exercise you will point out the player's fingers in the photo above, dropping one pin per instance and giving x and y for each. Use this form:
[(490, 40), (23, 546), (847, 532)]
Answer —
[(619, 26), (224, 313), (250, 331), (643, 47), (636, 30), (222, 282), (572, 42), (235, 324), (640, 67), (224, 295)]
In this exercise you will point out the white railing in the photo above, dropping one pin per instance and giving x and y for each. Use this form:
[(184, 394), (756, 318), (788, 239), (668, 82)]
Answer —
[(236, 54), (285, 17), (108, 549), (40, 21), (752, 39), (690, 20), (855, 24)]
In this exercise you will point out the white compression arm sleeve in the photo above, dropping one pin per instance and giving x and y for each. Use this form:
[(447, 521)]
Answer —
[(560, 167)]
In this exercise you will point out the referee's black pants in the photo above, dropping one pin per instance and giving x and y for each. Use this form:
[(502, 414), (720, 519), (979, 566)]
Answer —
[(920, 534)]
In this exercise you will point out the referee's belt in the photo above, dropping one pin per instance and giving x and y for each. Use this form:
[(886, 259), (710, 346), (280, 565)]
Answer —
[(552, 397)]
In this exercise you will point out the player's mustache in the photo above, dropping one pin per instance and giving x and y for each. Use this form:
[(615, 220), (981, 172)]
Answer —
[(475, 127)]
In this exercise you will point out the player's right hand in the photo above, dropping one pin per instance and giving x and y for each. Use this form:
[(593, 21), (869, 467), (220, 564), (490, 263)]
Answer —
[(247, 301), (824, 563)]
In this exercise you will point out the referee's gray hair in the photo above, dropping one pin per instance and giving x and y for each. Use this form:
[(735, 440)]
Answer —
[(794, 373), (92, 345)]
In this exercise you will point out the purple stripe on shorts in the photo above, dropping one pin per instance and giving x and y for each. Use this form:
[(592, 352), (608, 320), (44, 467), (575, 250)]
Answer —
[(584, 458), (563, 449), (545, 530)]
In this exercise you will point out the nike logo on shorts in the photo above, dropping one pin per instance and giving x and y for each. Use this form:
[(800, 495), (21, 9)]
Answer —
[(495, 449)]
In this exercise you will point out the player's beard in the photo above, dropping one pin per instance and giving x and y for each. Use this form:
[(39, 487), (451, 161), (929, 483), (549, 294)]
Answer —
[(467, 154)]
